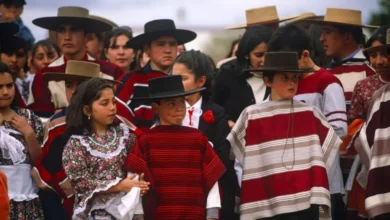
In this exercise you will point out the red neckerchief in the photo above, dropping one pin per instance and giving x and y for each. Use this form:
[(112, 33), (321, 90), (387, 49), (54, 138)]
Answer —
[(85, 58), (190, 112)]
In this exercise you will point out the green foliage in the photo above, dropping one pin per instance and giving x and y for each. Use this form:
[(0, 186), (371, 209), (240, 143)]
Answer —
[(383, 16)]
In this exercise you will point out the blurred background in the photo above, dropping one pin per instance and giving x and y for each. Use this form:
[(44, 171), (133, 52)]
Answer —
[(206, 17)]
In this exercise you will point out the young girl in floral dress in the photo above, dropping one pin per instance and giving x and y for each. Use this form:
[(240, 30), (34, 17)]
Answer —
[(21, 135), (95, 153)]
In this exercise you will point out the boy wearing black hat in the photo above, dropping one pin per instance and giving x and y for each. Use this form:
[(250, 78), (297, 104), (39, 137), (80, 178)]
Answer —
[(73, 27), (160, 42), (284, 149), (179, 162)]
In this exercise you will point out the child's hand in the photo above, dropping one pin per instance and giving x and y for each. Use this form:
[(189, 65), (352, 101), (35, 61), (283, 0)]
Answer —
[(21, 125), (127, 184)]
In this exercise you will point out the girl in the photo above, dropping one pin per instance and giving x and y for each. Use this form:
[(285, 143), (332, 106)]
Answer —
[(95, 153), (116, 50), (196, 68), (21, 135), (234, 89)]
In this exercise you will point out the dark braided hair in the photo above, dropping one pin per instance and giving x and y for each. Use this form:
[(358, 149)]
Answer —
[(200, 65), (86, 93)]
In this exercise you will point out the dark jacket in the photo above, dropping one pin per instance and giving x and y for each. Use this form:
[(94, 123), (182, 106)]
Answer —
[(232, 91), (217, 133)]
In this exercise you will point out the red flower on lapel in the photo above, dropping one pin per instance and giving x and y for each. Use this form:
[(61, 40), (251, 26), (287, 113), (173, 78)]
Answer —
[(208, 117)]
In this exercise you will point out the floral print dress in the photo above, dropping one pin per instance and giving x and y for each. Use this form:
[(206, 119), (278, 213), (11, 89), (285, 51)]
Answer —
[(93, 163), (24, 207)]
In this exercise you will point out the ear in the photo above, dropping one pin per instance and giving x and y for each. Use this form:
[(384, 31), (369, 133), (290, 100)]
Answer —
[(155, 107), (147, 49), (89, 37), (201, 81), (86, 110), (305, 55), (267, 82)]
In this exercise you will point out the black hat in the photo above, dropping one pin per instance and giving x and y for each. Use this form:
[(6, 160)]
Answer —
[(167, 87), (281, 62), (8, 30), (73, 15), (159, 28), (12, 44)]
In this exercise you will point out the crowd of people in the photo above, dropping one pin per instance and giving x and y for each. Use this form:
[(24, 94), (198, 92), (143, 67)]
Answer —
[(96, 123)]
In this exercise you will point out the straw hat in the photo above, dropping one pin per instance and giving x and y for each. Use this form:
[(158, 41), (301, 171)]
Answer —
[(281, 62), (383, 46), (340, 16), (260, 16), (78, 70), (73, 15), (304, 16), (113, 24)]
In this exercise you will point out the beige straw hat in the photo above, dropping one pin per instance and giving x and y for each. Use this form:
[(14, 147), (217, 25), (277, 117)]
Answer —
[(75, 16), (113, 24), (340, 16), (260, 16), (304, 16), (78, 70)]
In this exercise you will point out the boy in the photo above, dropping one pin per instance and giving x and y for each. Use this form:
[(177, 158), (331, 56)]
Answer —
[(179, 162), (285, 164), (322, 90)]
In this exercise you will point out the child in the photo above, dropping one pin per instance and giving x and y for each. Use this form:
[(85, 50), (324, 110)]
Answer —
[(178, 161), (285, 164), (95, 153), (196, 68)]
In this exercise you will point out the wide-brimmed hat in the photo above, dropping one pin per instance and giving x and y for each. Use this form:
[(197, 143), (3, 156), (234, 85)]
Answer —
[(281, 62), (159, 28), (340, 16), (260, 16), (303, 17), (78, 70), (379, 47), (113, 24), (8, 30), (74, 16), (167, 87)]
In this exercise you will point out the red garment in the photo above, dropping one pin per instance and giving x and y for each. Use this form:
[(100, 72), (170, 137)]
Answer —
[(135, 84), (181, 166), (43, 105), (362, 95), (4, 200)]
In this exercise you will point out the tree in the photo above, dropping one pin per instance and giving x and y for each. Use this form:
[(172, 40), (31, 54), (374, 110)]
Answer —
[(383, 16)]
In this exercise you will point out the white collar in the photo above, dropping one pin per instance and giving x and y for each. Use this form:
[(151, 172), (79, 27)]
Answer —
[(197, 105)]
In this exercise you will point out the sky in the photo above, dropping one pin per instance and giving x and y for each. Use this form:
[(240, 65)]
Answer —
[(198, 14)]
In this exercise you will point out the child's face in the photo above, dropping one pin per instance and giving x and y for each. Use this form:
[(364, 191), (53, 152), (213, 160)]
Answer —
[(103, 110), (283, 86), (171, 111)]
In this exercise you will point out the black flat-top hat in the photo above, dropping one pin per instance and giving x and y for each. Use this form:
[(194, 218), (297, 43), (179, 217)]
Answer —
[(159, 28), (73, 16), (281, 62), (167, 87), (8, 30)]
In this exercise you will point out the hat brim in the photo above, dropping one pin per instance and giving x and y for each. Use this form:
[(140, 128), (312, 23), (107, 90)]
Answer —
[(169, 95), (246, 25), (90, 25), (8, 30), (323, 22), (182, 37), (376, 48), (286, 70), (51, 76)]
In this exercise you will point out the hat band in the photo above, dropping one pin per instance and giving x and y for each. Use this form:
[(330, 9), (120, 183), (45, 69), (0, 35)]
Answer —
[(167, 93), (250, 24)]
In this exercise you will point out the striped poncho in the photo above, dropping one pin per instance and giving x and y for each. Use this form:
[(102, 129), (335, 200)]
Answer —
[(373, 145), (278, 176)]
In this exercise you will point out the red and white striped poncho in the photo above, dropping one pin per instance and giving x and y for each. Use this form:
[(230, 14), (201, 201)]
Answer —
[(273, 183), (372, 143)]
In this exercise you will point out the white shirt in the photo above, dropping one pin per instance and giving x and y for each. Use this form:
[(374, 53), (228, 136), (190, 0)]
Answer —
[(192, 120), (258, 87)]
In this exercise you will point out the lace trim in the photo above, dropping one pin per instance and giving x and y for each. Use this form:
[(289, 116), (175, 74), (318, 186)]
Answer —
[(96, 153), (81, 209), (21, 197)]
